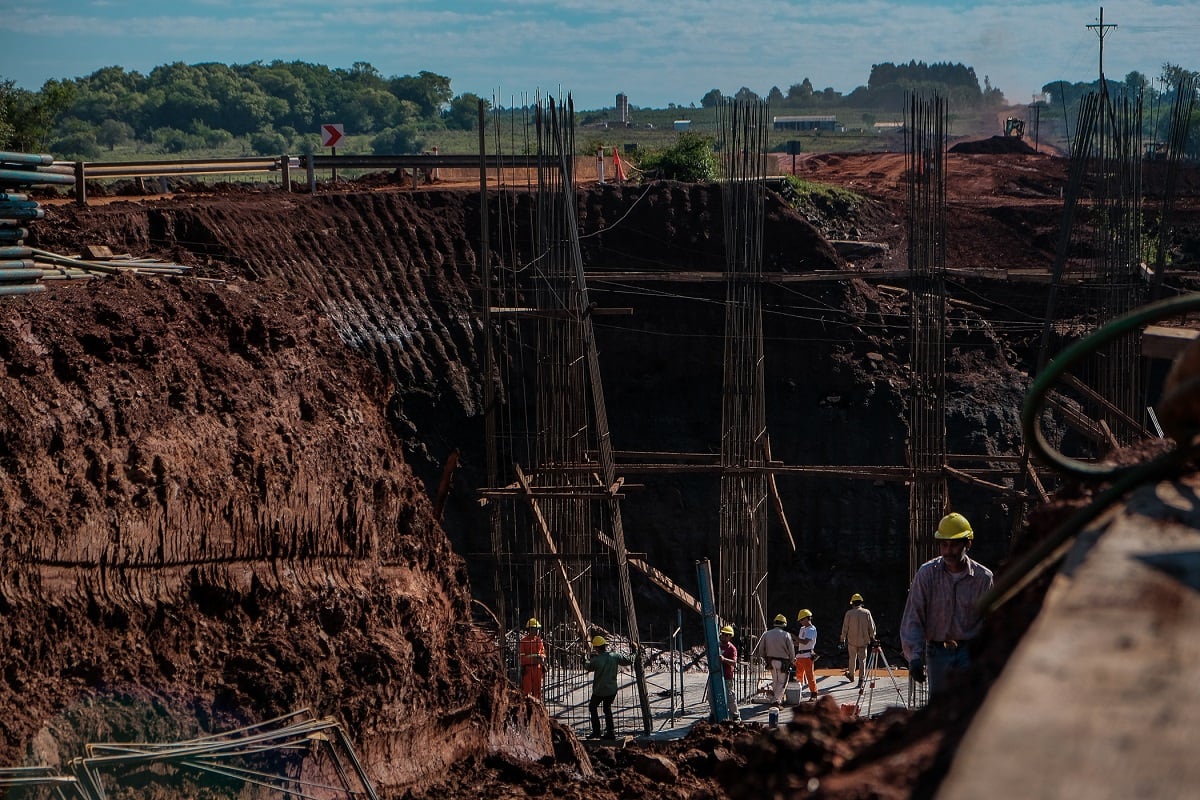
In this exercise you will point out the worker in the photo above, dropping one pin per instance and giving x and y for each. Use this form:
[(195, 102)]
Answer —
[(532, 650), (779, 651), (806, 643), (941, 618), (604, 684), (858, 631), (729, 656)]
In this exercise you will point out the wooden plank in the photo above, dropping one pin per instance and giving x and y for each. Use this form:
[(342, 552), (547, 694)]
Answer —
[(1159, 341), (656, 577), (776, 500), (1102, 697), (548, 540)]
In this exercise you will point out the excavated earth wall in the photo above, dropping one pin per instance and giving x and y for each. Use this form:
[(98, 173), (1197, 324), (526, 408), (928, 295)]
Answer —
[(214, 495)]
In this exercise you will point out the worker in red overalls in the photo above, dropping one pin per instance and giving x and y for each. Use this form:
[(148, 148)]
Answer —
[(533, 659)]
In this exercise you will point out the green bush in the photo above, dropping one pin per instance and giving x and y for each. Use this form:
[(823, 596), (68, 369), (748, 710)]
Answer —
[(77, 146), (820, 198), (268, 143), (397, 141), (691, 160)]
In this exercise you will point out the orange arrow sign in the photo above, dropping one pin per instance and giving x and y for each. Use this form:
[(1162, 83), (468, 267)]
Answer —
[(331, 134)]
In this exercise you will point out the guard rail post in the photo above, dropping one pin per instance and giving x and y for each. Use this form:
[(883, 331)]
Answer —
[(80, 185), (285, 176), (312, 175)]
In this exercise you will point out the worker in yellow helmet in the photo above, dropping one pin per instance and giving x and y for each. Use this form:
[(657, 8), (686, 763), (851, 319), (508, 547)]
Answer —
[(806, 644), (532, 651), (858, 631), (779, 651), (729, 657), (941, 618), (604, 684)]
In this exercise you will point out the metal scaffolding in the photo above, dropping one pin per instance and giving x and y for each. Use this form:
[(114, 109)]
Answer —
[(558, 541)]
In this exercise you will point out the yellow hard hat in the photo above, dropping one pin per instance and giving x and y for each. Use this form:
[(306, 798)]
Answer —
[(599, 641), (727, 629), (954, 526), (533, 623), (804, 614), (780, 619), (856, 598)]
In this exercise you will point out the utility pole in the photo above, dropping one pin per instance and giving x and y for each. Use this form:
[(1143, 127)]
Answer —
[(1101, 29)]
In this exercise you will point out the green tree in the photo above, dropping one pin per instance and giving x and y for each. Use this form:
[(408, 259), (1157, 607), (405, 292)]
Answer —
[(428, 90), (29, 117), (801, 92), (712, 98), (775, 96), (113, 132), (463, 114)]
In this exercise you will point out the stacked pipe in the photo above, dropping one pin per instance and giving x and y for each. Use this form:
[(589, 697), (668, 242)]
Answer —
[(18, 274), (22, 268)]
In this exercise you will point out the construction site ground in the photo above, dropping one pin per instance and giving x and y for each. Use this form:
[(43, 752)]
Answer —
[(216, 504)]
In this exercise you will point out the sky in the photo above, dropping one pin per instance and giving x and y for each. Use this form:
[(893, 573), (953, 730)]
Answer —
[(657, 52)]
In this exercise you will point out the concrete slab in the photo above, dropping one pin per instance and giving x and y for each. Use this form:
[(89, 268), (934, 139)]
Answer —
[(1102, 698), (568, 699)]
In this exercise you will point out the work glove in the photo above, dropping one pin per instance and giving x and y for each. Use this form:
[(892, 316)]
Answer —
[(841, 647), (916, 670)]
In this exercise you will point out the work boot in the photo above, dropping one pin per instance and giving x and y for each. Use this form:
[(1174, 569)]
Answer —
[(594, 735), (849, 675), (609, 735)]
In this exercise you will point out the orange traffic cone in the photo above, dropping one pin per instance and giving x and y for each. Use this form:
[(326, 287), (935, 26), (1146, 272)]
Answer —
[(618, 167)]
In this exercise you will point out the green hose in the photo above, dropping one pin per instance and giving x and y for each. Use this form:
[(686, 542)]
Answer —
[(1050, 550)]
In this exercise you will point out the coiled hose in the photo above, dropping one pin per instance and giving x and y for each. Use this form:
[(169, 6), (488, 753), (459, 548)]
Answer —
[(1050, 550)]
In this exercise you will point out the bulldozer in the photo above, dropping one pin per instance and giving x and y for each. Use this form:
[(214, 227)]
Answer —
[(1014, 126)]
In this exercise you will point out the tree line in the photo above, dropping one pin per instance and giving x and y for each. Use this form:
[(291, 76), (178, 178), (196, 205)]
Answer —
[(278, 107), (885, 90), (180, 107)]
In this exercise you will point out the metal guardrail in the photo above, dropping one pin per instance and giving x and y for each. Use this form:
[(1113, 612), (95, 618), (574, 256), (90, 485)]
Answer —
[(428, 164)]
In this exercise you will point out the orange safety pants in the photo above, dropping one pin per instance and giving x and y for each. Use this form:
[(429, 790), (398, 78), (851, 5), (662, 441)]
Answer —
[(531, 680), (804, 672)]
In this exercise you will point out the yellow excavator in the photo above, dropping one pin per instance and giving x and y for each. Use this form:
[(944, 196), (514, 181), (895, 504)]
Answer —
[(1014, 126)]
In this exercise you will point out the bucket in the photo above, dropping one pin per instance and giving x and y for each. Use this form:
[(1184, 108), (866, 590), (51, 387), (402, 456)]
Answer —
[(793, 694)]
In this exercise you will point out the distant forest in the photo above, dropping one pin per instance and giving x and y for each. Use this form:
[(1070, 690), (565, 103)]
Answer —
[(274, 108)]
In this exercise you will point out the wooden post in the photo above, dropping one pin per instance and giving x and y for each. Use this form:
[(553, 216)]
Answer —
[(312, 174), (285, 175), (80, 185)]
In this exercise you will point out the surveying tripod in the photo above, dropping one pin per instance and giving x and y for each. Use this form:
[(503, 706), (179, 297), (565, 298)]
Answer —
[(867, 687)]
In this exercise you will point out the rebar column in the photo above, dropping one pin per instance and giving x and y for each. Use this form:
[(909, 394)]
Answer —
[(925, 151), (742, 587)]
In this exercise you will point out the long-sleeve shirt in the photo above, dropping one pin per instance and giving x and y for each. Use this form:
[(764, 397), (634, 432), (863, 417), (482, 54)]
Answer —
[(776, 643), (943, 606), (858, 627), (532, 650), (605, 665)]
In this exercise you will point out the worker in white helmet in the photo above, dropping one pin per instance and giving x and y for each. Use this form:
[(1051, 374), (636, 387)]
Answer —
[(941, 618)]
